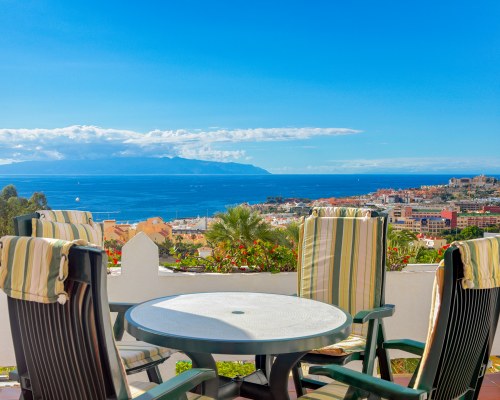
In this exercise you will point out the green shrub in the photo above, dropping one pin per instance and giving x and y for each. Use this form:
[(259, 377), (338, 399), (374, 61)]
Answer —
[(229, 369)]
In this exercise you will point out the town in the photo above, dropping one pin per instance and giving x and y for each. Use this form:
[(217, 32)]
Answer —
[(429, 211)]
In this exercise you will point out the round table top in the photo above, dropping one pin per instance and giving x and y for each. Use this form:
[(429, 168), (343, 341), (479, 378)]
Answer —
[(238, 323)]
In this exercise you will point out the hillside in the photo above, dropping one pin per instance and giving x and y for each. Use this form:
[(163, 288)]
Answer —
[(130, 166)]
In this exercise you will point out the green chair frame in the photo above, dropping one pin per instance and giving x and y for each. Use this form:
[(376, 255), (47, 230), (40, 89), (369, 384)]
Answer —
[(23, 227), (68, 352), (458, 353)]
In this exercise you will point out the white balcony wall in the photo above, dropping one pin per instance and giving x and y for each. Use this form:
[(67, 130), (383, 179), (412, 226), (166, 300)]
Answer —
[(140, 280)]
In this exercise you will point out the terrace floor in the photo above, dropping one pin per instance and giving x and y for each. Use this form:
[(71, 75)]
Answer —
[(489, 391)]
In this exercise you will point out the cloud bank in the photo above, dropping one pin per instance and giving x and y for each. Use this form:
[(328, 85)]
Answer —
[(407, 165), (92, 142)]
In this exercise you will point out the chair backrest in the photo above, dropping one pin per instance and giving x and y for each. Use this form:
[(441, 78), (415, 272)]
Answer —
[(461, 339), (24, 226), (67, 351), (342, 259)]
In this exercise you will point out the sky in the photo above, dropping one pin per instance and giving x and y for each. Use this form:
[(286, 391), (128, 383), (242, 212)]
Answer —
[(290, 86)]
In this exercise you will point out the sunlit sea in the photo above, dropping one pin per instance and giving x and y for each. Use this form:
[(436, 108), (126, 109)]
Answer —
[(137, 197)]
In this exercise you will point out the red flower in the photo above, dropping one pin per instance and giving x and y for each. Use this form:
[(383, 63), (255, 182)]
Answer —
[(395, 249), (177, 260), (115, 261), (241, 246)]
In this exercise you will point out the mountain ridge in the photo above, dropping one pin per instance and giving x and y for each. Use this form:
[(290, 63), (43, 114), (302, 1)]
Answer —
[(131, 166)]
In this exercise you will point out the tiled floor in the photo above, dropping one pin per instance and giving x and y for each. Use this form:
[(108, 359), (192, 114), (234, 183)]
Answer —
[(489, 391)]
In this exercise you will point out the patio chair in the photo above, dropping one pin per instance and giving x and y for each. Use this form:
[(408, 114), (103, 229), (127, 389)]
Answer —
[(342, 262), (137, 356), (463, 321), (61, 328)]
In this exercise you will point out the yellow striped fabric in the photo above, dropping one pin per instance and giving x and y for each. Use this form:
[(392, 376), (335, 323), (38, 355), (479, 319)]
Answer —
[(68, 216), (341, 212), (136, 354), (139, 388), (60, 230), (35, 269), (353, 344), (437, 294), (332, 391), (341, 262), (481, 260)]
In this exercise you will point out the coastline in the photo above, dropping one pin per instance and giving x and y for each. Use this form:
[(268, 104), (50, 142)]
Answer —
[(134, 198)]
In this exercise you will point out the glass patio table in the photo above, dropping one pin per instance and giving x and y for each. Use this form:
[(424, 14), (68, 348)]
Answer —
[(279, 329)]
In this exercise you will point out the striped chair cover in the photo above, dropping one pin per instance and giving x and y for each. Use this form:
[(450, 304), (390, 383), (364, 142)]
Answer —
[(35, 269), (341, 212), (481, 259), (341, 262)]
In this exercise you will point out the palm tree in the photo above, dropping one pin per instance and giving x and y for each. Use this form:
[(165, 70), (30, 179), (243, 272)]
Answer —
[(239, 224), (403, 238)]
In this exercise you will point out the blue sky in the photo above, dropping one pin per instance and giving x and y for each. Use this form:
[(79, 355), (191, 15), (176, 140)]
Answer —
[(290, 86)]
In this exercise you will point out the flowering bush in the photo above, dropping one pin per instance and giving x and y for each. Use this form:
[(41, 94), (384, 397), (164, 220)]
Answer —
[(233, 256), (114, 257), (397, 258), (440, 253)]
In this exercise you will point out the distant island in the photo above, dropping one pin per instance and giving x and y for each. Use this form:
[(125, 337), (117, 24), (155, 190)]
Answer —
[(130, 166)]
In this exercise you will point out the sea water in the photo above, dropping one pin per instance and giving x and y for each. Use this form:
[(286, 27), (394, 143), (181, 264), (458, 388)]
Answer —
[(134, 198)]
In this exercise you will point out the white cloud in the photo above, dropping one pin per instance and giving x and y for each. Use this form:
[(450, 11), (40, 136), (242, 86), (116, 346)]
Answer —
[(207, 153), (399, 165), (79, 142)]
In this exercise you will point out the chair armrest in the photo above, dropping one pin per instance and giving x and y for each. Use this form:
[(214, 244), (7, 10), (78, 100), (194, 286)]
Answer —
[(369, 383), (375, 313), (176, 387), (408, 345), (14, 376), (120, 307), (119, 325)]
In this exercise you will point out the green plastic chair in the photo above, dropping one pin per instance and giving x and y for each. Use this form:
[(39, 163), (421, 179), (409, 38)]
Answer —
[(342, 262), (455, 356), (68, 351), (136, 356)]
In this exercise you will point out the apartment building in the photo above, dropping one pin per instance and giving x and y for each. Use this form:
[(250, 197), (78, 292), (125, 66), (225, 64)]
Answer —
[(481, 220)]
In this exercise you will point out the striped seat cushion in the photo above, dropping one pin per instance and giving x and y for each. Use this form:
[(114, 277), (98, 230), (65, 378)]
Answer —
[(136, 354), (341, 263), (353, 344), (67, 216), (334, 390), (138, 388), (91, 233)]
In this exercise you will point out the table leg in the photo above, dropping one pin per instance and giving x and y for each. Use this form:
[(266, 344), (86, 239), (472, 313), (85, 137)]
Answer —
[(204, 360), (280, 374), (275, 387)]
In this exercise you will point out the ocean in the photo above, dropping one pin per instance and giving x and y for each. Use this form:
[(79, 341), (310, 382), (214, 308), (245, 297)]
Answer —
[(132, 198)]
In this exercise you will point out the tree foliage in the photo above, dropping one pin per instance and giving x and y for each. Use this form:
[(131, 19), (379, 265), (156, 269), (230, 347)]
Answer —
[(240, 224), (12, 205)]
